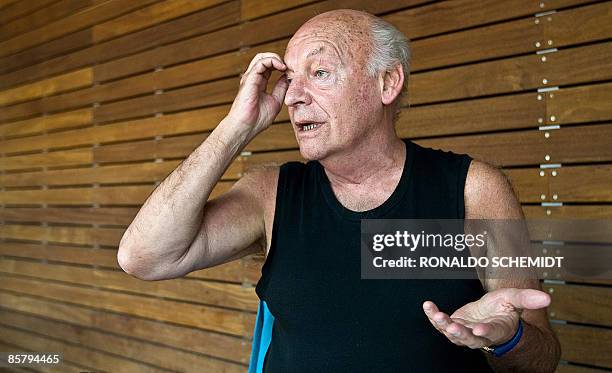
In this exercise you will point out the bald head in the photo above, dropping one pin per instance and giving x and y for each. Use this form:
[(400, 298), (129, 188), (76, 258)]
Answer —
[(348, 28)]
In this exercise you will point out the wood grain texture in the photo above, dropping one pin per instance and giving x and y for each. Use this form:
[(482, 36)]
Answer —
[(584, 344), (70, 81), (196, 340), (582, 304), (186, 314)]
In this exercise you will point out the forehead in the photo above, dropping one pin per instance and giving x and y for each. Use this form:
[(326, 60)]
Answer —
[(337, 38), (312, 48)]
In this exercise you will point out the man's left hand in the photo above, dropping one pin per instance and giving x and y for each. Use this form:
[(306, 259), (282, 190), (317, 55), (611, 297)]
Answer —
[(491, 320)]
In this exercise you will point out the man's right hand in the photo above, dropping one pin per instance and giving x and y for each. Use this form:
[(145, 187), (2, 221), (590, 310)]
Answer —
[(254, 109)]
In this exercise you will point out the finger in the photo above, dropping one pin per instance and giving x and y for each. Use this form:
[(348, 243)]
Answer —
[(463, 335), (438, 319), (260, 69), (259, 56), (280, 89), (431, 309), (529, 299), (256, 59)]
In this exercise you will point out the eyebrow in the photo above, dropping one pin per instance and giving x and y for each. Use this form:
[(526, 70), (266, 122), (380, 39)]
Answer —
[(312, 53)]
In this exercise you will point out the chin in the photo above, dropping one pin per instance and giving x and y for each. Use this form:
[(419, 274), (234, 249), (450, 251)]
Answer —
[(312, 151)]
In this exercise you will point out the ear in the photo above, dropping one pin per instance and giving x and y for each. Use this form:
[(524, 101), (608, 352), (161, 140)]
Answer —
[(391, 83)]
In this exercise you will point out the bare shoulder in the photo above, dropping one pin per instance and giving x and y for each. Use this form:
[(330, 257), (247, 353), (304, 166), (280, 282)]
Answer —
[(489, 193), (260, 184)]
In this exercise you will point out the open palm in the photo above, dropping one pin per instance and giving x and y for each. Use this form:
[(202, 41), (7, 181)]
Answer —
[(491, 320)]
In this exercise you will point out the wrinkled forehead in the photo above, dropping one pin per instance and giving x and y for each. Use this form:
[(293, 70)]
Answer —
[(346, 42)]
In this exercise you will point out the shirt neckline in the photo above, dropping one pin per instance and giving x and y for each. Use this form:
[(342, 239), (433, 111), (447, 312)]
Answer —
[(378, 211)]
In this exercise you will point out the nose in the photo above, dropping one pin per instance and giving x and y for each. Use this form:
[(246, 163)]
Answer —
[(296, 93)]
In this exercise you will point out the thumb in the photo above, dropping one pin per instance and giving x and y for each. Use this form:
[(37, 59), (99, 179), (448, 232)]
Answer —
[(280, 89), (529, 299)]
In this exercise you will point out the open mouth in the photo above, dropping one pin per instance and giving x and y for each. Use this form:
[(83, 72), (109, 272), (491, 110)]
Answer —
[(308, 126)]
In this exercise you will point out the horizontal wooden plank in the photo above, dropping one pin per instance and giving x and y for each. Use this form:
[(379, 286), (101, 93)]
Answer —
[(496, 41), (41, 17), (172, 124), (70, 81), (16, 9), (587, 103), (60, 121), (566, 145), (129, 173), (570, 184), (55, 48), (528, 185), (82, 215), (165, 357), (586, 345), (198, 47), (583, 184), (567, 27), (119, 195), (171, 147), (71, 235), (198, 316), (582, 304), (423, 21), (191, 339), (195, 24), (73, 157), (569, 211), (245, 270), (587, 64), (59, 253), (191, 290), (147, 17), (74, 22), (579, 144), (74, 353), (584, 24), (209, 94), (258, 8), (477, 115)]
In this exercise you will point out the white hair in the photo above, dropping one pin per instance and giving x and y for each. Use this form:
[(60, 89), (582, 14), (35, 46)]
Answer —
[(389, 46)]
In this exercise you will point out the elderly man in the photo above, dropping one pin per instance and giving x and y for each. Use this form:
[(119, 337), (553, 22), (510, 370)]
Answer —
[(344, 75)]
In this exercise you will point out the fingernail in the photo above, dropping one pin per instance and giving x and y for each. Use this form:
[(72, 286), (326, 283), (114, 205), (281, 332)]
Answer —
[(439, 321), (457, 334)]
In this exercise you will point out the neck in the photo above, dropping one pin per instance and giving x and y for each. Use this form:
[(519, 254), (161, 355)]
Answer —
[(371, 160)]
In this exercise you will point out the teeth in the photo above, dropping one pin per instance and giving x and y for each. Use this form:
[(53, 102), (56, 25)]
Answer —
[(310, 126)]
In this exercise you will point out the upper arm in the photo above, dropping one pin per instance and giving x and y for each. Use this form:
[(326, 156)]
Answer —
[(489, 195), (234, 223)]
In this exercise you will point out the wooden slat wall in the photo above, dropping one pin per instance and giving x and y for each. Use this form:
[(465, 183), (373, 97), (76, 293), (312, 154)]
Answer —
[(101, 99)]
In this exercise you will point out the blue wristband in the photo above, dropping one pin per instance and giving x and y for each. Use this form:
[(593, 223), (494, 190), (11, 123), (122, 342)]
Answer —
[(498, 351)]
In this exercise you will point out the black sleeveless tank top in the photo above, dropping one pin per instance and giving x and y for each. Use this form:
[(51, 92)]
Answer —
[(326, 318)]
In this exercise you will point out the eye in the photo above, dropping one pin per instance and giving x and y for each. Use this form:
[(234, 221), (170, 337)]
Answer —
[(321, 73), (289, 80)]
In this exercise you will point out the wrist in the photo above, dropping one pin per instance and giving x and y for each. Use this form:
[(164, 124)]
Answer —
[(501, 349), (232, 135)]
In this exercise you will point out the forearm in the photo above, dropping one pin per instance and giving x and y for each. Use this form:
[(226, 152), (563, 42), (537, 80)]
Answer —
[(170, 218), (537, 351)]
